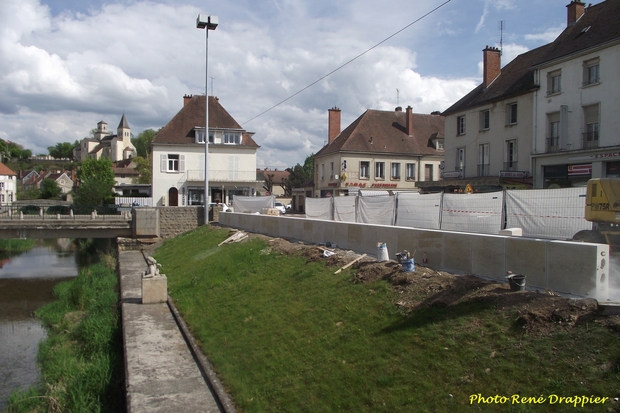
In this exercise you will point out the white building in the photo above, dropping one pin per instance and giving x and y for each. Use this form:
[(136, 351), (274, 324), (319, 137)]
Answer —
[(178, 157), (104, 144), (7, 185)]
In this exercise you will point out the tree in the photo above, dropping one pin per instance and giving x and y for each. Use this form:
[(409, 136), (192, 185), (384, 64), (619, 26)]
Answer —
[(144, 168), (49, 189), (63, 150), (143, 142), (96, 179), (298, 175)]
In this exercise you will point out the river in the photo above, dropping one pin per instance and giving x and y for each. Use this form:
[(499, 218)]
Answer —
[(26, 283)]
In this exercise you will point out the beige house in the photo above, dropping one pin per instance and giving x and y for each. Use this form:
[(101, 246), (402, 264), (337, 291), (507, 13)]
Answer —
[(106, 145), (380, 150)]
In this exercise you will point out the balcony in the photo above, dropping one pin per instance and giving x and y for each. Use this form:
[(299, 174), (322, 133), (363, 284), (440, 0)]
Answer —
[(484, 169), (553, 145), (590, 140), (223, 175)]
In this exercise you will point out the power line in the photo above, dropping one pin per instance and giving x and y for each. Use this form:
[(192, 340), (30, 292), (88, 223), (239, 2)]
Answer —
[(349, 61)]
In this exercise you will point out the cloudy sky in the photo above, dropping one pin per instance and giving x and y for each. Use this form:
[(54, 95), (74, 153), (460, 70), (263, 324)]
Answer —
[(67, 64)]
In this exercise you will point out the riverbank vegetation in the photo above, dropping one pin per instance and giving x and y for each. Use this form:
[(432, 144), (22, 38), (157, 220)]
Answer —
[(82, 359), (16, 245), (287, 334)]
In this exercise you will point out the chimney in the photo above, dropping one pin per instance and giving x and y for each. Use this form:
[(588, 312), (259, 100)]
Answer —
[(409, 120), (186, 99), (491, 64), (333, 128), (574, 11)]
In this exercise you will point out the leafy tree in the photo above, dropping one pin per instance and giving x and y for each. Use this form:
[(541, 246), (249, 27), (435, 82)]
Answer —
[(298, 175), (96, 179), (144, 168), (143, 142), (49, 189), (63, 150)]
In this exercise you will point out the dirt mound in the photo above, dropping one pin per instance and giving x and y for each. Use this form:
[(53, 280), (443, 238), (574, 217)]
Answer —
[(536, 312)]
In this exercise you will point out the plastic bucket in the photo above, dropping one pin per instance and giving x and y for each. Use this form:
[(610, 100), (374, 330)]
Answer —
[(516, 282), (408, 265), (382, 252)]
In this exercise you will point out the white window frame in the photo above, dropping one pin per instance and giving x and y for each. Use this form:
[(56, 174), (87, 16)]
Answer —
[(554, 82), (485, 119), (379, 170), (364, 169), (510, 155), (167, 164), (232, 138), (410, 172), (395, 171), (591, 72), (460, 160)]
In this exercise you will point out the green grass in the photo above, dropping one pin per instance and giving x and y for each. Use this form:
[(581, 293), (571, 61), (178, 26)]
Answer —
[(17, 245), (290, 336), (82, 358)]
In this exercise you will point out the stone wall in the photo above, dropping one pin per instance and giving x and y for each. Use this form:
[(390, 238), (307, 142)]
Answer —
[(177, 220)]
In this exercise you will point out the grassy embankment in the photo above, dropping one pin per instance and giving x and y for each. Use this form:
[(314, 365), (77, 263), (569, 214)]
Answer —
[(82, 358), (287, 335), (16, 245)]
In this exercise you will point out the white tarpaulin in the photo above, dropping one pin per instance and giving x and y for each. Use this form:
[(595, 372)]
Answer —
[(344, 208), (418, 211), (480, 213), (547, 213), (319, 208), (376, 209), (252, 204)]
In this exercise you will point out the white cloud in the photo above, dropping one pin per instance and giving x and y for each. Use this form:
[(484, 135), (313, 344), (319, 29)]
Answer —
[(547, 36)]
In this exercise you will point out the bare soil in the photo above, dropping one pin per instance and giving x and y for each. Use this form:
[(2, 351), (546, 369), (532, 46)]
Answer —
[(538, 312)]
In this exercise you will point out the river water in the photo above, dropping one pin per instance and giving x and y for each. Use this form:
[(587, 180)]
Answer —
[(26, 283)]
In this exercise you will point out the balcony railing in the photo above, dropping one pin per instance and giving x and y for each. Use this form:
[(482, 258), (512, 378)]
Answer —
[(553, 144), (198, 175), (510, 166), (590, 140), (484, 169)]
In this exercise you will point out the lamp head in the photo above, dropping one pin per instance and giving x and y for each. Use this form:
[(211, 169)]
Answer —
[(206, 22)]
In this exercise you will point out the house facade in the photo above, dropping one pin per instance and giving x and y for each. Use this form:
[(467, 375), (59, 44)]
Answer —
[(380, 150), (537, 121), (179, 157), (576, 133), (8, 185)]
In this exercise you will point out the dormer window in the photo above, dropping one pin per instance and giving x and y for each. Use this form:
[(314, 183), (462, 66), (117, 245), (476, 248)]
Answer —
[(232, 138), (200, 135)]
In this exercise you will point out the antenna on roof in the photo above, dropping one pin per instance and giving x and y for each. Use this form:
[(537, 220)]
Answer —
[(397, 97), (501, 37)]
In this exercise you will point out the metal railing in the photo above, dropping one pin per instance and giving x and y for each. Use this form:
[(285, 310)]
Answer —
[(510, 166), (64, 212), (590, 140), (553, 145)]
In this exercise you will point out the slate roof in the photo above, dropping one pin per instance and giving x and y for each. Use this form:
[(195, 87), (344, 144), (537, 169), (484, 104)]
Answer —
[(517, 77), (123, 123), (384, 132), (180, 129)]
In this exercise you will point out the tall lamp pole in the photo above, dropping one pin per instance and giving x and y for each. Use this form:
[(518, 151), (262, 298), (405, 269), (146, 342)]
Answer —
[(208, 23)]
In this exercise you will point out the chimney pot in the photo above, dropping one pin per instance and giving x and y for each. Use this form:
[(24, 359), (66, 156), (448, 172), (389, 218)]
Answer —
[(186, 99), (333, 127)]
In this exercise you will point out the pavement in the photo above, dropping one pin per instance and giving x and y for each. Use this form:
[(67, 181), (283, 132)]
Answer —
[(161, 372)]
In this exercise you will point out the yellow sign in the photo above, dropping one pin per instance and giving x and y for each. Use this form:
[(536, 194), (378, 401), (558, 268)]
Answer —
[(469, 189)]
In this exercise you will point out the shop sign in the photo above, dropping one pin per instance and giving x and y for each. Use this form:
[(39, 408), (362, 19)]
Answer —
[(514, 174), (332, 184), (452, 174), (377, 185), (585, 169), (358, 184), (605, 155)]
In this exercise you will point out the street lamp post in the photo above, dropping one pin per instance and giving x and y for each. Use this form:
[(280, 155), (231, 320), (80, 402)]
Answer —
[(208, 23)]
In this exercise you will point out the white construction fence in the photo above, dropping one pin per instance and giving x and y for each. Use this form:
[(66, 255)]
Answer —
[(540, 213)]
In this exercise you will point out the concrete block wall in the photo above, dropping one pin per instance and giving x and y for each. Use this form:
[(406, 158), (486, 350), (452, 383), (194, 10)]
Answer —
[(580, 269), (177, 220)]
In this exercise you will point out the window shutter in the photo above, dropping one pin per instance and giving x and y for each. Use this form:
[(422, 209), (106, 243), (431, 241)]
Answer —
[(181, 163), (163, 162)]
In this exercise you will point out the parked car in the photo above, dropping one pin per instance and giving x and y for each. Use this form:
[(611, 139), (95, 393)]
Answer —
[(280, 207)]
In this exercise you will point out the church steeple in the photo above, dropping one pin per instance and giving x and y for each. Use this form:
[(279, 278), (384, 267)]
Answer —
[(123, 131)]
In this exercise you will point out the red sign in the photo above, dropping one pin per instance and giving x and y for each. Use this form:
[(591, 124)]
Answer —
[(585, 169), (376, 185), (360, 184)]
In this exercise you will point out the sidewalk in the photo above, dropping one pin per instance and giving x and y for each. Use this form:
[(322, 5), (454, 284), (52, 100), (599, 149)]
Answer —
[(161, 374)]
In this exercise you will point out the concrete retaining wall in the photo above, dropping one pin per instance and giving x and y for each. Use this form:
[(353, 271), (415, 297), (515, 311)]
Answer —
[(577, 268), (177, 220)]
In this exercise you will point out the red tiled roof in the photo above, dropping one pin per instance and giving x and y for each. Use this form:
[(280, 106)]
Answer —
[(5, 170)]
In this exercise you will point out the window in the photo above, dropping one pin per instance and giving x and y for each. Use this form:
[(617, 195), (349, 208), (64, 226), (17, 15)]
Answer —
[(485, 119), (591, 72), (172, 163), (511, 155), (365, 169), (1, 185), (460, 125), (483, 159), (232, 138), (322, 172), (379, 170), (554, 82), (410, 172), (200, 136), (553, 137), (395, 170), (331, 174), (460, 160), (428, 172), (590, 138), (439, 145), (511, 114)]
